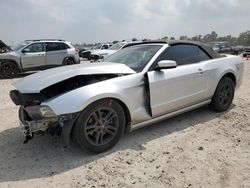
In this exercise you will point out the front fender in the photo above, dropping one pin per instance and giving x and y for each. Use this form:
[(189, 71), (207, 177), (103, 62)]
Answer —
[(78, 99)]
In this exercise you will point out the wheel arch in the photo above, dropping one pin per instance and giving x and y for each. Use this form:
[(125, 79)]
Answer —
[(124, 107), (127, 114), (229, 74), (8, 60)]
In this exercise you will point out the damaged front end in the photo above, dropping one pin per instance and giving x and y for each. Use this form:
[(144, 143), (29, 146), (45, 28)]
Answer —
[(36, 93), (38, 119)]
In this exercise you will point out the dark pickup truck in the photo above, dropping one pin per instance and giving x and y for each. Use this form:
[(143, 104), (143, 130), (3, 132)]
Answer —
[(246, 51)]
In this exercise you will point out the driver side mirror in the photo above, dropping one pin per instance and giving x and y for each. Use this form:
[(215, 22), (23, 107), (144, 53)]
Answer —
[(26, 50), (166, 64)]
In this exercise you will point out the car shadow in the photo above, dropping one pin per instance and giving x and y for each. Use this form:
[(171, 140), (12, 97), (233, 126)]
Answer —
[(43, 156)]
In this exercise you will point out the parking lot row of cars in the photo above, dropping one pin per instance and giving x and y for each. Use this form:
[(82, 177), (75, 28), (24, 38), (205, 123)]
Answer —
[(225, 48), (40, 54), (102, 51)]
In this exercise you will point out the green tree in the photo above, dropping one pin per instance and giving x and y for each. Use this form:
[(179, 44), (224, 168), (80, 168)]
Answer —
[(244, 38), (164, 38), (232, 40), (183, 37), (210, 37)]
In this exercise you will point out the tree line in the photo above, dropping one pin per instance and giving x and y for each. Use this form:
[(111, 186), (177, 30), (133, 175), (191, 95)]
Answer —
[(243, 38)]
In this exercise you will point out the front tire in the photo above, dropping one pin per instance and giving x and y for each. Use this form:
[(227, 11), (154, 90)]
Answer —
[(99, 126), (223, 95), (9, 70)]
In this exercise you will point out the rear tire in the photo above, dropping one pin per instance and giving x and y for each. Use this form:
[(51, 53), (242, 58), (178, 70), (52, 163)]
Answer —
[(223, 95), (68, 61), (99, 126), (9, 70)]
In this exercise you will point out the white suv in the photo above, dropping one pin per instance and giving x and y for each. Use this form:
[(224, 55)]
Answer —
[(37, 55)]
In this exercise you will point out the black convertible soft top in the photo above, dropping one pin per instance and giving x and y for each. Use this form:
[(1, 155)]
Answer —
[(203, 46)]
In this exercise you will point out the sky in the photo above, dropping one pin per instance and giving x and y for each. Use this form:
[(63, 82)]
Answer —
[(93, 21)]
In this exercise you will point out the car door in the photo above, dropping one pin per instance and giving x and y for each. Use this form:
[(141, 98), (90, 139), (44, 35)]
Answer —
[(176, 88), (55, 53), (33, 56)]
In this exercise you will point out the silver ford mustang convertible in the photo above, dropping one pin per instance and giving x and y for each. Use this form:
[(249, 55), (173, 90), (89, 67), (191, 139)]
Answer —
[(143, 83)]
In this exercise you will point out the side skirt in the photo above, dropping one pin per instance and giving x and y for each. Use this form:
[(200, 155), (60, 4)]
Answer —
[(169, 115)]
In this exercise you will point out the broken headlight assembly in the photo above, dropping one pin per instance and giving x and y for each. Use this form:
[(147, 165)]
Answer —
[(40, 112)]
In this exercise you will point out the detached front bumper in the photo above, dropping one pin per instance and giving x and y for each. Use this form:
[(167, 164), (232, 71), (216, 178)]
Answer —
[(30, 125), (36, 120)]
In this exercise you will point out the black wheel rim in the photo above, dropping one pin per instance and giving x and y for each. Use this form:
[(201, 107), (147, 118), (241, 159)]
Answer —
[(226, 94), (101, 127), (8, 70)]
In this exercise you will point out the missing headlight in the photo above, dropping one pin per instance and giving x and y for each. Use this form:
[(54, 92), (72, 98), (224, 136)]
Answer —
[(39, 112)]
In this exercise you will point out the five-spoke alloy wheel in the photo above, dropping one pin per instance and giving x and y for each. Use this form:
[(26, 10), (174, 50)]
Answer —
[(99, 126)]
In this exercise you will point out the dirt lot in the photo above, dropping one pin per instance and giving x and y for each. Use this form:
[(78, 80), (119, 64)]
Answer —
[(198, 149)]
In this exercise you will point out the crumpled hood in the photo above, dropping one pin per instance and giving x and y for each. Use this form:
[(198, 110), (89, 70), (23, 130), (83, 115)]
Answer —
[(38, 81)]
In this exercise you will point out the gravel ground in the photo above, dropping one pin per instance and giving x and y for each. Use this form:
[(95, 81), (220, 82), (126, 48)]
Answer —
[(197, 149)]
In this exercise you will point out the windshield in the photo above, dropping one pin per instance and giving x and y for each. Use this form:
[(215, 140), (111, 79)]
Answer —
[(21, 45), (135, 57), (116, 46), (97, 47)]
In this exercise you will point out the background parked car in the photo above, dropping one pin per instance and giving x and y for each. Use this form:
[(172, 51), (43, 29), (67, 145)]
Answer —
[(246, 51), (37, 55), (225, 48), (86, 53), (102, 54)]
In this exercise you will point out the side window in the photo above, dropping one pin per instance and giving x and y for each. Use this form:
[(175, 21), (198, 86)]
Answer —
[(105, 46), (55, 46), (36, 47), (184, 54), (64, 46)]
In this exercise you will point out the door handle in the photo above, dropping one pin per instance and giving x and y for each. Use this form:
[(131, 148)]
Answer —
[(200, 71), (41, 54)]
